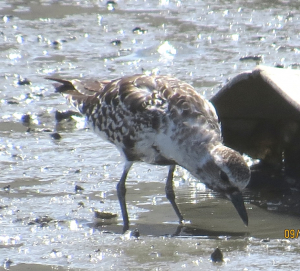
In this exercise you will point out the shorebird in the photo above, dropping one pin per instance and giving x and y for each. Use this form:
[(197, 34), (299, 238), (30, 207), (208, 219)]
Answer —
[(161, 120)]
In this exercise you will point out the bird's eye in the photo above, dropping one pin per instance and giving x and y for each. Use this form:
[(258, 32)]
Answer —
[(224, 177)]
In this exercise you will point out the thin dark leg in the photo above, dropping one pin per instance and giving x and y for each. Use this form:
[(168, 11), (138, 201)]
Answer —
[(170, 193), (121, 190)]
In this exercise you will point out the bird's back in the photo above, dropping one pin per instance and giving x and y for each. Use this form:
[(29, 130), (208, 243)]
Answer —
[(136, 112)]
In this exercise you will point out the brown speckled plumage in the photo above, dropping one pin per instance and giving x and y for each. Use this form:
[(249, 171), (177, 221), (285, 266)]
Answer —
[(160, 120)]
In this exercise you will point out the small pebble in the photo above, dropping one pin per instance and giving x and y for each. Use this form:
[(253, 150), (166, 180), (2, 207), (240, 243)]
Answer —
[(78, 189), (80, 204), (23, 81), (6, 188), (25, 118), (59, 116), (111, 5), (56, 44), (138, 30), (42, 221), (217, 256), (295, 65), (278, 65), (12, 102), (115, 42), (136, 233), (254, 58), (56, 136), (104, 215)]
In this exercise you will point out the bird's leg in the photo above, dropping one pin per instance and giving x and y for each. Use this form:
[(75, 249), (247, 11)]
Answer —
[(170, 193), (121, 190)]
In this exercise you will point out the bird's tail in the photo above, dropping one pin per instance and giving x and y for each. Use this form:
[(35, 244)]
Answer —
[(83, 96)]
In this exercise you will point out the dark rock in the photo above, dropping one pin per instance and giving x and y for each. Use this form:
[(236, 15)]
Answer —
[(139, 30), (59, 116), (111, 5), (116, 42), (26, 118), (56, 44), (56, 136), (80, 204), (217, 256), (23, 81), (42, 221), (104, 215), (78, 189), (253, 58), (6, 188), (278, 65), (12, 102), (260, 116), (136, 233)]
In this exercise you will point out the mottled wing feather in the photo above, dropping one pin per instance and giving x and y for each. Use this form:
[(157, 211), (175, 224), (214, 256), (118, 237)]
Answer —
[(135, 108), (88, 87)]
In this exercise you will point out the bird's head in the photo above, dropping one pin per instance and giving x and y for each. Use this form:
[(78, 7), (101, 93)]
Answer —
[(226, 172)]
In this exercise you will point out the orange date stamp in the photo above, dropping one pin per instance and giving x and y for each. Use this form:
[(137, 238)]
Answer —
[(291, 233)]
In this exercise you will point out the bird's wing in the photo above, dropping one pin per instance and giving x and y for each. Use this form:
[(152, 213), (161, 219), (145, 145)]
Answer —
[(141, 100)]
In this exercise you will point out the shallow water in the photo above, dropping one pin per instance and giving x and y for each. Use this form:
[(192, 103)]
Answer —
[(200, 42)]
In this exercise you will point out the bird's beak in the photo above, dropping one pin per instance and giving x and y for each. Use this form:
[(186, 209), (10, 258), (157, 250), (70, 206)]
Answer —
[(238, 202)]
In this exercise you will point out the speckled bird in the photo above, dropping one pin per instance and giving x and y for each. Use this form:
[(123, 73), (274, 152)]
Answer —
[(161, 120)]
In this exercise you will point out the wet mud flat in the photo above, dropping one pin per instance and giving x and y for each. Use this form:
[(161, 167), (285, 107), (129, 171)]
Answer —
[(45, 222)]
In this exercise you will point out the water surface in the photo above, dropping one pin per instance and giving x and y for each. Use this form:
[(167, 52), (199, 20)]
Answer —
[(43, 222)]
